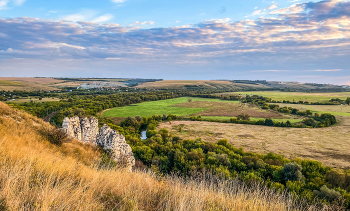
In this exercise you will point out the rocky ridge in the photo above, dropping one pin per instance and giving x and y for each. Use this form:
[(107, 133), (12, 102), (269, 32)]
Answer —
[(86, 130)]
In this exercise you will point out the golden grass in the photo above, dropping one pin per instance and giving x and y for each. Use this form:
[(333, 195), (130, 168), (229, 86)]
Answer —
[(36, 175), (328, 145)]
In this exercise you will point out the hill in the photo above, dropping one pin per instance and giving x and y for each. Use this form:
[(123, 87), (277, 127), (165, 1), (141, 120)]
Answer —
[(36, 174), (241, 85)]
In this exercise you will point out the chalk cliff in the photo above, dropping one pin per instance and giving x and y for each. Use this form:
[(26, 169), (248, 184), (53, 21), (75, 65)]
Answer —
[(86, 130)]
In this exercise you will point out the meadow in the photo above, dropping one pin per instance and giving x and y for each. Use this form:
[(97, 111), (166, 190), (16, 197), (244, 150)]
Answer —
[(296, 96), (206, 107), (160, 107)]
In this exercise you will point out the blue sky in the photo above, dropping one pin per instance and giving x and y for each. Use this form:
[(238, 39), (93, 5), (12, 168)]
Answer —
[(286, 40)]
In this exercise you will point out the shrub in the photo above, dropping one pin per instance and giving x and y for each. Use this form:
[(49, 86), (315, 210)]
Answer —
[(243, 117), (327, 193), (268, 122), (56, 135), (292, 172), (336, 177)]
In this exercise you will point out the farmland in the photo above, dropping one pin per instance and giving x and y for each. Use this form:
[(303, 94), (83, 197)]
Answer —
[(295, 96), (207, 108)]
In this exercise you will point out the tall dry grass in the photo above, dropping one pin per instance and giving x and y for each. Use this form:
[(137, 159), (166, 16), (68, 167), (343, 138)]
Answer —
[(37, 175)]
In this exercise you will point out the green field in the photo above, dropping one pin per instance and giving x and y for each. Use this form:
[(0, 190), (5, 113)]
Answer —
[(296, 96), (160, 107), (9, 83), (181, 107)]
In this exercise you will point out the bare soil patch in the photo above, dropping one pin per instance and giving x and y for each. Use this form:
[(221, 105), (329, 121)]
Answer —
[(328, 145)]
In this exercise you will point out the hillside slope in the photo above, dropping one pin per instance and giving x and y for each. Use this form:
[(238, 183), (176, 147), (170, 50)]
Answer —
[(37, 175)]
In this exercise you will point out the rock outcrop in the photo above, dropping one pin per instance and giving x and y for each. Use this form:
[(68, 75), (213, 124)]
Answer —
[(86, 130), (115, 144)]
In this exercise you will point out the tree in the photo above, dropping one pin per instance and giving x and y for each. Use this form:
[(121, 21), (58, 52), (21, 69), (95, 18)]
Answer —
[(268, 122), (347, 101), (292, 172)]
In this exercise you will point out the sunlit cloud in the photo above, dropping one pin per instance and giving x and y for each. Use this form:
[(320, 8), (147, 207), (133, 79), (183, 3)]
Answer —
[(272, 7)]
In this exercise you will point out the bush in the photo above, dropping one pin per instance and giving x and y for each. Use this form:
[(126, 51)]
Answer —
[(243, 117), (292, 172), (268, 122), (327, 193), (56, 135)]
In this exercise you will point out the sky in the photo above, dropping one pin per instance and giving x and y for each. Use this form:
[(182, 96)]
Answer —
[(283, 40)]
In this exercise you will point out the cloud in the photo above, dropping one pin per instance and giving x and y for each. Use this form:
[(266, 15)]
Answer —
[(19, 2), (272, 7), (103, 18), (270, 71), (315, 35), (3, 4), (7, 4), (118, 1), (333, 70)]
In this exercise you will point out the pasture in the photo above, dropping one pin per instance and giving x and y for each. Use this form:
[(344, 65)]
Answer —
[(296, 96), (206, 107), (328, 145)]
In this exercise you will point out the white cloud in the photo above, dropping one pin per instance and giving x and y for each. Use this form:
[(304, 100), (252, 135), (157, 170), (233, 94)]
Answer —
[(272, 7), (86, 15), (3, 4), (258, 12), (118, 1), (6, 4), (332, 70), (103, 18), (19, 2)]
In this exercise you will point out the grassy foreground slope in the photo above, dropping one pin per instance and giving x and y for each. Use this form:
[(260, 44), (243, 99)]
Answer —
[(37, 175)]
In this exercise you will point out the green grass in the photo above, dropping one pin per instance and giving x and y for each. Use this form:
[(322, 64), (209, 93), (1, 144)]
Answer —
[(297, 96), (9, 83), (159, 107), (252, 119)]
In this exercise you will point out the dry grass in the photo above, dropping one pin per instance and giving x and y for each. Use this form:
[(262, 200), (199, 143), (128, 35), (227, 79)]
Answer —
[(36, 175), (328, 145), (179, 84), (229, 109), (28, 84)]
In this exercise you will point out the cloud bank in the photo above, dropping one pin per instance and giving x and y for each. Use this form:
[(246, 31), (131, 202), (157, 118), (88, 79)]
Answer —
[(311, 34)]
